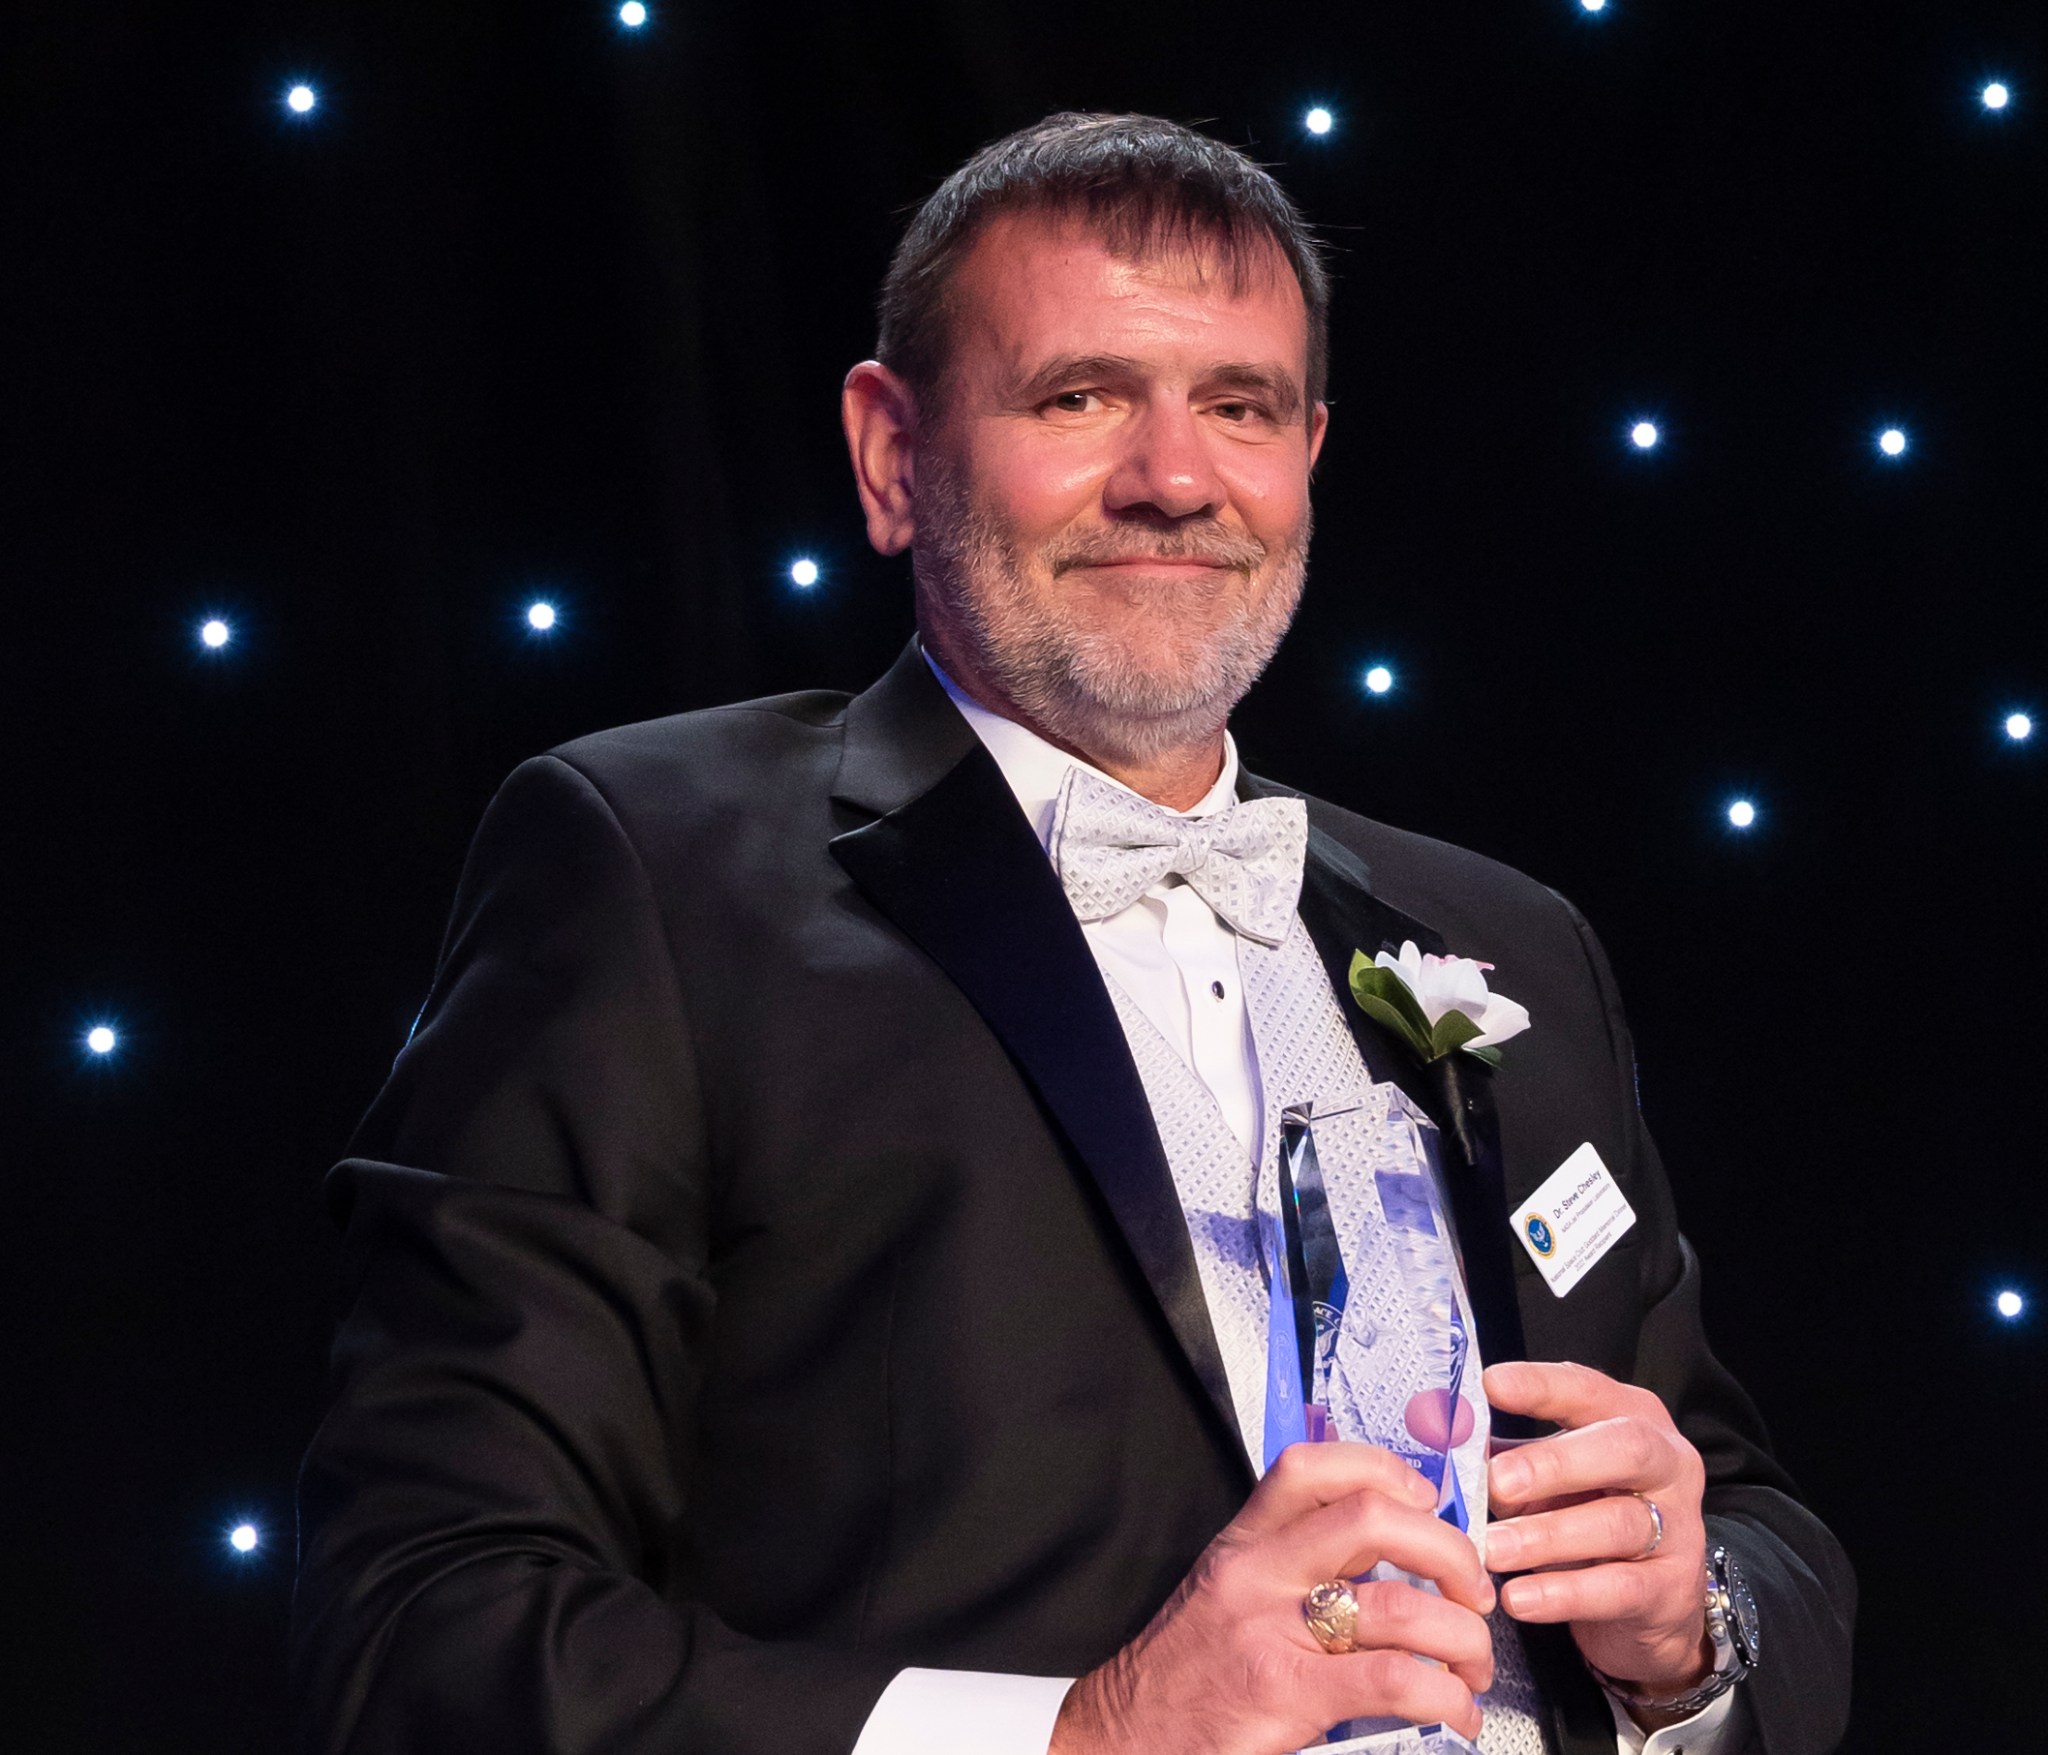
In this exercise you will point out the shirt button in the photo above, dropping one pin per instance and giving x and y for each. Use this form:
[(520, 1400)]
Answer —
[(1216, 987)]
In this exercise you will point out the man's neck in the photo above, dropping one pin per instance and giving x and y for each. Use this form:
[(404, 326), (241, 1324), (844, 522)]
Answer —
[(1179, 781), (1179, 778)]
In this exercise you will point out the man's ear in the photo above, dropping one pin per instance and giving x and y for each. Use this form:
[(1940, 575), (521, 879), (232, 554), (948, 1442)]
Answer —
[(880, 417), (1318, 426)]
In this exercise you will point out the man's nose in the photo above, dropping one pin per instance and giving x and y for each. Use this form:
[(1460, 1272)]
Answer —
[(1165, 467)]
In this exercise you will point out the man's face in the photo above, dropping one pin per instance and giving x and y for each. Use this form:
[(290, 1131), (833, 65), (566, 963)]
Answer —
[(1111, 507)]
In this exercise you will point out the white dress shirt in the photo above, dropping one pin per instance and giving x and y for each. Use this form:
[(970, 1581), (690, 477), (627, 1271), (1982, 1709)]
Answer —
[(1178, 963)]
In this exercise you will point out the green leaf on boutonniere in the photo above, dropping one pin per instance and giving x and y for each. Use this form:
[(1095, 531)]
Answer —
[(1389, 1001), (1453, 1030)]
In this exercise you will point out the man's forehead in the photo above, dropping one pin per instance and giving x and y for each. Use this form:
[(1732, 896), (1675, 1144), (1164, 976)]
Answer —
[(1037, 280)]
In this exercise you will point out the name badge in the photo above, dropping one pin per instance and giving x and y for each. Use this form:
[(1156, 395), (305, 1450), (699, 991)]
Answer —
[(1573, 1220)]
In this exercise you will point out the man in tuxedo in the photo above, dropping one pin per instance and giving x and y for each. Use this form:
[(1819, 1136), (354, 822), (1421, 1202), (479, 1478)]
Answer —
[(803, 1272)]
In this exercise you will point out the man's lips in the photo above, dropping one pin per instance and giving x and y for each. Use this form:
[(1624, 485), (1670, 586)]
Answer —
[(1149, 564)]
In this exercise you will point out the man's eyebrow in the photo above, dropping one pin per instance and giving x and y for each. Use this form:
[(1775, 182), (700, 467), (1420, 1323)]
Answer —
[(1271, 384), (1065, 370)]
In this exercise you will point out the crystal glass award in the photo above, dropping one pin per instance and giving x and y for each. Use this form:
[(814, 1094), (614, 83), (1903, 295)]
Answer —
[(1370, 1339)]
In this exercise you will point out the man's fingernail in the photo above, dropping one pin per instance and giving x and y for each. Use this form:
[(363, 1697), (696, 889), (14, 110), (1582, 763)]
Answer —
[(1510, 1477), (1522, 1596), (1503, 1546)]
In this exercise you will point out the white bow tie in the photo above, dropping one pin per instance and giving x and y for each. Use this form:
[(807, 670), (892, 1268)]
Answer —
[(1110, 846)]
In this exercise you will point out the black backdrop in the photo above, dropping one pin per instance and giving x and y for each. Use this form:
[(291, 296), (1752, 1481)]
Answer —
[(531, 304)]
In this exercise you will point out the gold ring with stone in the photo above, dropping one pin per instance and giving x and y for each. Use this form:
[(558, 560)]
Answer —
[(1656, 1526), (1331, 1612)]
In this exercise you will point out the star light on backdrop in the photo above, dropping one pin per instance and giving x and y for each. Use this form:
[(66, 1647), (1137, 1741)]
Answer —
[(632, 15), (215, 634), (1592, 5)]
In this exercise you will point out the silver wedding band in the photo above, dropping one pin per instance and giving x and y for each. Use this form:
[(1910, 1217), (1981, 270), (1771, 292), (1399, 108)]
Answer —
[(1656, 1525)]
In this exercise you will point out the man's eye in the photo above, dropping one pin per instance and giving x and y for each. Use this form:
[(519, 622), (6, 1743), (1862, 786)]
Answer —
[(1238, 412), (1071, 401)]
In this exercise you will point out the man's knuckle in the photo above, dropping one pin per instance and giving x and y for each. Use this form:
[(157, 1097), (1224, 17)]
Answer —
[(1407, 1689), (1645, 1404), (1286, 1473), (1271, 1671), (1385, 1609), (1369, 1518), (1381, 1673), (1642, 1449)]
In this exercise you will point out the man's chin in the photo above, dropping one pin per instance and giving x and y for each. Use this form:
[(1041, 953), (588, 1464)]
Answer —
[(1134, 728)]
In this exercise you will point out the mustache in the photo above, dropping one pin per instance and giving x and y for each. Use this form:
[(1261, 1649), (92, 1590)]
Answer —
[(1214, 546)]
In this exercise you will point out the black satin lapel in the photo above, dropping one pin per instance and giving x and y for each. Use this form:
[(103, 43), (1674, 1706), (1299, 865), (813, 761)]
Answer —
[(1482, 1221), (959, 871), (903, 736), (1342, 916)]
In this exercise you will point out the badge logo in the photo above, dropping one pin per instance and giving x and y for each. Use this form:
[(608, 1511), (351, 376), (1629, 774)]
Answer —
[(1541, 1238)]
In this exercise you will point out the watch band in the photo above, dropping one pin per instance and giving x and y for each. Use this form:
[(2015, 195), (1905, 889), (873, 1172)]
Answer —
[(1731, 1625)]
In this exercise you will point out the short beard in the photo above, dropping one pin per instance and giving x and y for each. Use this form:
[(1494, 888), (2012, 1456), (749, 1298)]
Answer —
[(1081, 688)]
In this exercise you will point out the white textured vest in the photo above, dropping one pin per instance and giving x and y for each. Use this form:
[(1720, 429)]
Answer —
[(1306, 1054)]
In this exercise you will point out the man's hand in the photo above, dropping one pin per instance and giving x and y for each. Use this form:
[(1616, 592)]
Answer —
[(1229, 1667), (1581, 1527)]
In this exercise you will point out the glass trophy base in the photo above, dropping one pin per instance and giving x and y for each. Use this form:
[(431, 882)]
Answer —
[(1407, 1740)]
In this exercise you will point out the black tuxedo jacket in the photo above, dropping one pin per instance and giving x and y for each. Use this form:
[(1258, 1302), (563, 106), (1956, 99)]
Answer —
[(762, 1272)]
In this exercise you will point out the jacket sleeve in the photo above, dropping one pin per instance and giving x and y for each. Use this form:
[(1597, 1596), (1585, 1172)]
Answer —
[(1798, 1696), (489, 1557)]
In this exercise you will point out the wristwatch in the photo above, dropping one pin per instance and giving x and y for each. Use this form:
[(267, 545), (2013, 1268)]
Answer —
[(1731, 1625)]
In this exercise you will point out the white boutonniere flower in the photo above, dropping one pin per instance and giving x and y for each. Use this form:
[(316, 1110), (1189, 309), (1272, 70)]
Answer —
[(1436, 1005)]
